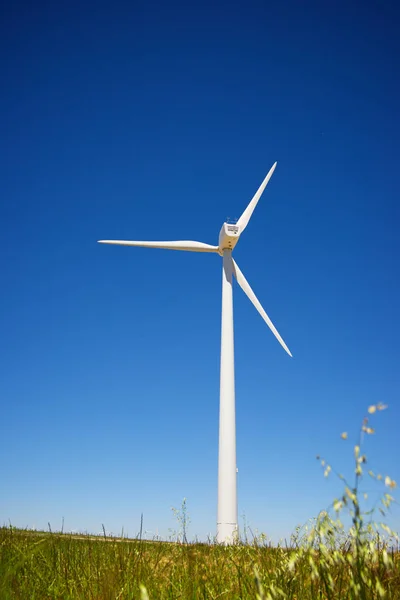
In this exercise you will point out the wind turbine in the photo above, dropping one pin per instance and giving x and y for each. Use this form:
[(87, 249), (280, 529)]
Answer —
[(227, 520)]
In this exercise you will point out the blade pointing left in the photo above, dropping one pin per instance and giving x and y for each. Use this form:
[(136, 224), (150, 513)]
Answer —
[(186, 245), (242, 281)]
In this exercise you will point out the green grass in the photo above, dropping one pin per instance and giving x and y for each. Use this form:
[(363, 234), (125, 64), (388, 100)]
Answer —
[(39, 565)]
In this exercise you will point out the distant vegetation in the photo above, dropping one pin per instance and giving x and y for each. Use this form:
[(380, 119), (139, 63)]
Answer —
[(322, 561)]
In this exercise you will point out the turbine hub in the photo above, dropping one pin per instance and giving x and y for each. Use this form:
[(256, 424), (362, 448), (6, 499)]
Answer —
[(228, 237)]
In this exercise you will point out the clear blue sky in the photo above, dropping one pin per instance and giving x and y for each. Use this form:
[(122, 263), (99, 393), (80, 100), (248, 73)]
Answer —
[(157, 121)]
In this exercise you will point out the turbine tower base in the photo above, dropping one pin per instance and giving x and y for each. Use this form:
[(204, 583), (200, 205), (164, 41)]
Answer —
[(227, 533)]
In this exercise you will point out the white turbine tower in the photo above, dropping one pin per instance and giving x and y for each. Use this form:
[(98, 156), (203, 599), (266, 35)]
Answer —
[(227, 520)]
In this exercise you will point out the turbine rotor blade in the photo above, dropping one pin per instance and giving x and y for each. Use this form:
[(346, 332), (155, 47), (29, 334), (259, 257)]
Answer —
[(252, 297), (245, 218), (186, 245)]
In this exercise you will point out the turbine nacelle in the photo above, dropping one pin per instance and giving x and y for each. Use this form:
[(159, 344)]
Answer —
[(228, 237)]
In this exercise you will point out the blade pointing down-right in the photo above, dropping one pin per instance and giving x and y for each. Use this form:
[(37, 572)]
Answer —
[(187, 245), (245, 218), (252, 297)]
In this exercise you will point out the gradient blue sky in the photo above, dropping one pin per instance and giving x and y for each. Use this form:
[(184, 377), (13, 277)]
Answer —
[(157, 121)]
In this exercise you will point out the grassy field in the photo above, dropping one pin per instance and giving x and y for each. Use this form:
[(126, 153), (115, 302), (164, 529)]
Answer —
[(41, 566), (324, 560)]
